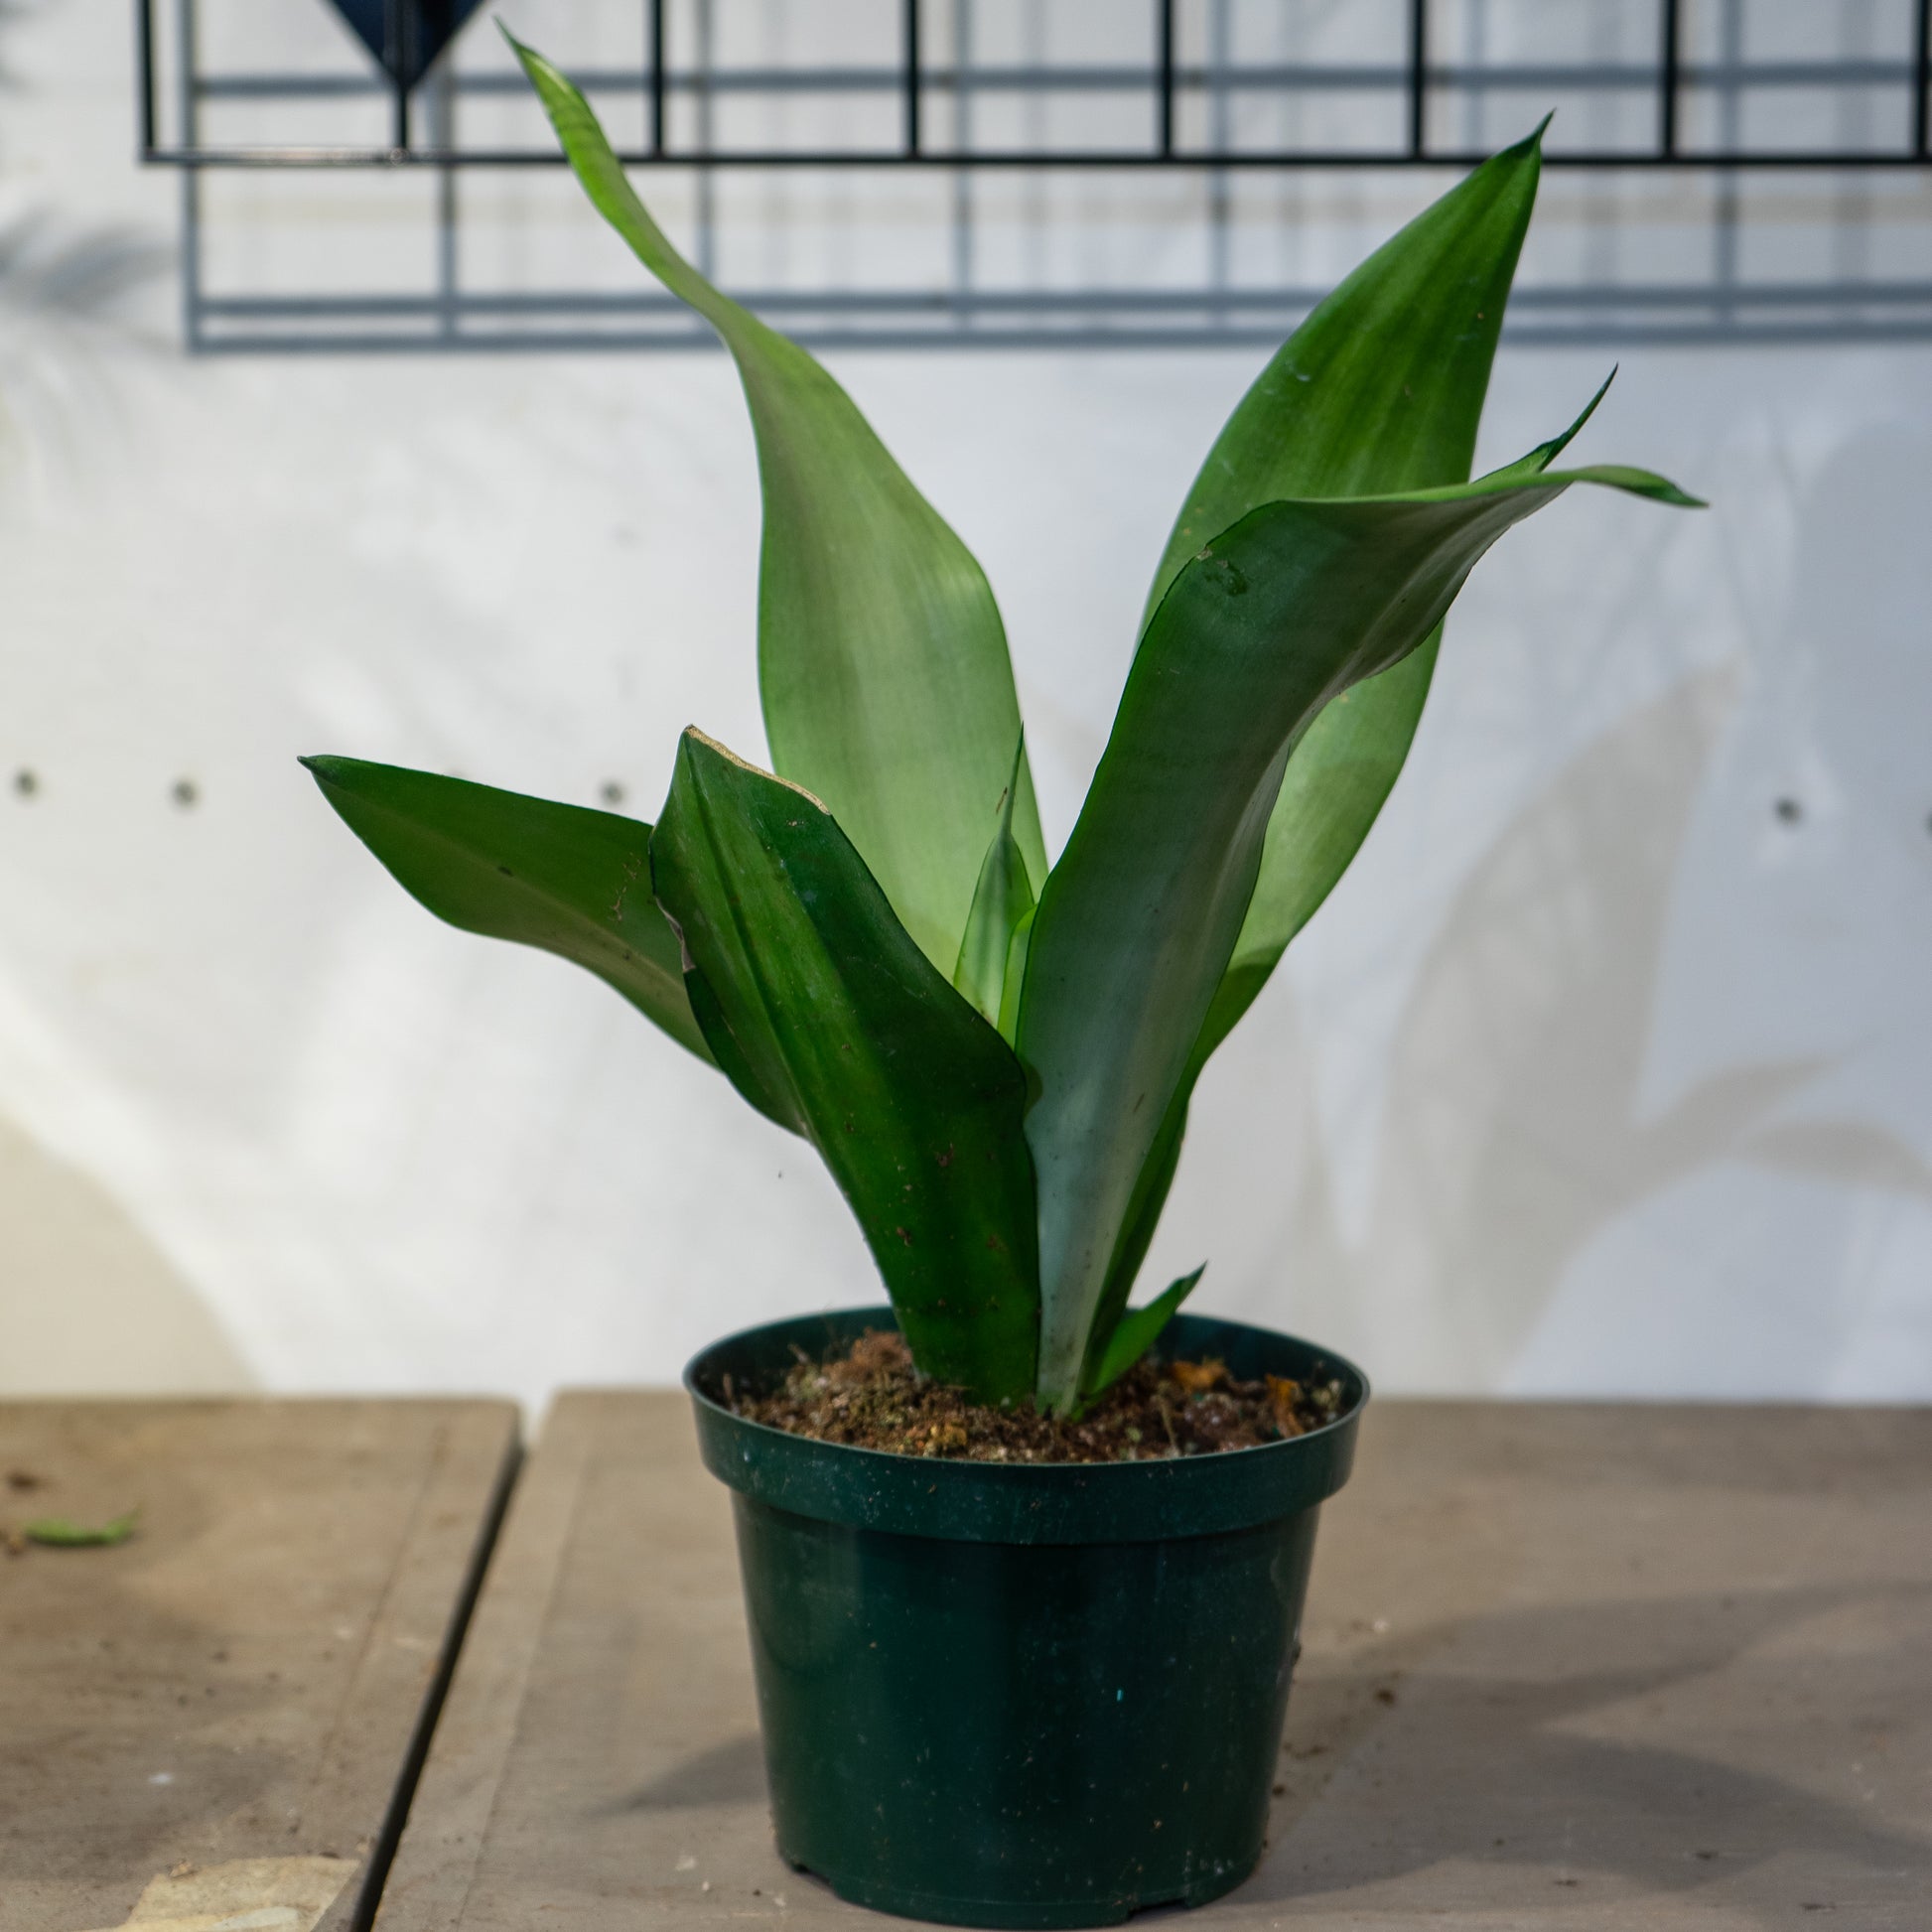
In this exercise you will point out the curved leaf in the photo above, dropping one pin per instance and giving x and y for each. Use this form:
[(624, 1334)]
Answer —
[(573, 881), (1138, 921), (800, 973), (881, 659)]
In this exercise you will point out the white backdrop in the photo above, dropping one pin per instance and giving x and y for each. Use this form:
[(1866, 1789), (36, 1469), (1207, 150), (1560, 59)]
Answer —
[(1596, 1074)]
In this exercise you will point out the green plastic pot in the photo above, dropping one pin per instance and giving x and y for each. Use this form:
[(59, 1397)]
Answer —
[(1020, 1696)]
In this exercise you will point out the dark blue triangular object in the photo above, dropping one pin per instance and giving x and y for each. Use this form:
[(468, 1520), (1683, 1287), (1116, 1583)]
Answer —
[(423, 26)]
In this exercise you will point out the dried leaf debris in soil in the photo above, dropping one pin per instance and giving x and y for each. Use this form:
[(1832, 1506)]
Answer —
[(872, 1397)]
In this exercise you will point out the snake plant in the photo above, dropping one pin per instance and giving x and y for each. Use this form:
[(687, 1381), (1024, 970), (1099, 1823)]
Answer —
[(993, 1055)]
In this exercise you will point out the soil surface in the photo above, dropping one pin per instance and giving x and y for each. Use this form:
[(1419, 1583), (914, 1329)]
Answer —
[(873, 1397)]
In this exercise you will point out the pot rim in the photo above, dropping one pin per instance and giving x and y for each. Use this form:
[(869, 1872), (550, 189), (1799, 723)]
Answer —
[(954, 1498)]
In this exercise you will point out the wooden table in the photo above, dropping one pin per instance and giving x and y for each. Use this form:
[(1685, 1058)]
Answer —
[(222, 1714), (1566, 1666)]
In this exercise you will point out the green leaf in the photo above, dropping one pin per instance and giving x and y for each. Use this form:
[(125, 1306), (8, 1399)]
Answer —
[(62, 1532), (1143, 1216), (1381, 387), (881, 659), (1336, 782), (1002, 897), (1404, 345), (573, 881), (800, 972), (1138, 921), (1138, 1330), (1017, 949)]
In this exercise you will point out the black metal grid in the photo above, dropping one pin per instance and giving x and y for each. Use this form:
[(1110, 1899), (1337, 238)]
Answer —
[(908, 73)]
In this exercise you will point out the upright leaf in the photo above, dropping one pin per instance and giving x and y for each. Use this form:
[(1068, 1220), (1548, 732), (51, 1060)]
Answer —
[(1002, 897), (1137, 923), (800, 973), (1016, 975), (881, 659), (1139, 1329), (1336, 782), (1142, 1215), (1380, 389), (1342, 771), (573, 881)]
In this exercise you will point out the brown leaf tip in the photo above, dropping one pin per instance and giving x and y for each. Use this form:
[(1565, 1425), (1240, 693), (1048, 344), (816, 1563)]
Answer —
[(726, 752)]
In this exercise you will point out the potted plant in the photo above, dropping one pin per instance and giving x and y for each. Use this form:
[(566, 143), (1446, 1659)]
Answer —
[(1021, 1691)]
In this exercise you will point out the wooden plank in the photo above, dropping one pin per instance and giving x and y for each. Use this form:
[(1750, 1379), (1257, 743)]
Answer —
[(1617, 1666), (219, 1714)]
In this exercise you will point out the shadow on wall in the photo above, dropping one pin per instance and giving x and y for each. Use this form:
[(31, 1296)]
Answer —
[(88, 1305), (1518, 1134), (65, 287), (1513, 1127), (67, 295)]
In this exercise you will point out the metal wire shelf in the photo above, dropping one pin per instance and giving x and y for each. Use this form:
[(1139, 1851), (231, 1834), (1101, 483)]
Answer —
[(913, 78), (1665, 81)]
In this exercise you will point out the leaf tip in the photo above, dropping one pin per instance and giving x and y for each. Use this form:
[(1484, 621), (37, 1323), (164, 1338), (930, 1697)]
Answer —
[(1528, 148), (542, 72)]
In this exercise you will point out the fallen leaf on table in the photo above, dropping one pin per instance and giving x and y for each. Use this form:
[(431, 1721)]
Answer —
[(62, 1532)]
